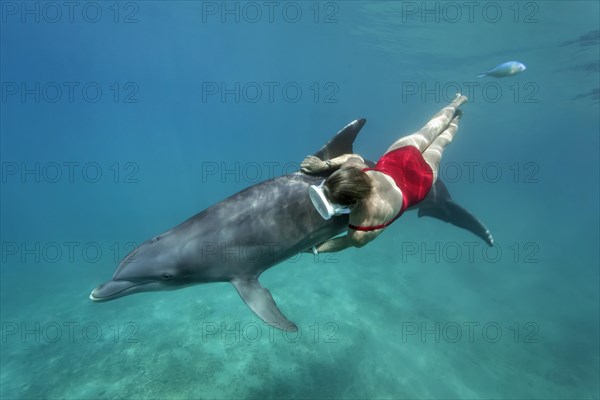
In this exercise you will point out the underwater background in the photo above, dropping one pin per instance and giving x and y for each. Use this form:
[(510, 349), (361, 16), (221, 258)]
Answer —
[(119, 120)]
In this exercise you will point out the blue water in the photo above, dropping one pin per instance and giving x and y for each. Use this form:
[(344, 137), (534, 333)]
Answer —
[(120, 120)]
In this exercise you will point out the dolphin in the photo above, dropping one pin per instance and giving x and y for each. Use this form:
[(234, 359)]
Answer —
[(239, 238)]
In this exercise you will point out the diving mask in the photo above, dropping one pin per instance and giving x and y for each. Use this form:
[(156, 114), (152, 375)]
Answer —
[(325, 208)]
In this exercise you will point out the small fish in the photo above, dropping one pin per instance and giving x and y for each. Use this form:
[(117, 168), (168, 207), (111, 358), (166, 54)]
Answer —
[(503, 70)]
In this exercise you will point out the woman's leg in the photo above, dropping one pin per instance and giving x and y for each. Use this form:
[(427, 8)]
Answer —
[(433, 153), (427, 134)]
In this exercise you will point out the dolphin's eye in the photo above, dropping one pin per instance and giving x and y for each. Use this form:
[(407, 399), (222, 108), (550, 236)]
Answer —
[(167, 275), (156, 239)]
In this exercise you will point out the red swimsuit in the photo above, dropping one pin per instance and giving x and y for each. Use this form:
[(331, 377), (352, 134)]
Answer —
[(413, 176)]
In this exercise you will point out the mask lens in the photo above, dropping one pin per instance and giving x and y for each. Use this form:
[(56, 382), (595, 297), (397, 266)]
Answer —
[(320, 202)]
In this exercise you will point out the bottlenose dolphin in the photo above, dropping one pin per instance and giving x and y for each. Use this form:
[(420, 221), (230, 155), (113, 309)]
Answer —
[(239, 238)]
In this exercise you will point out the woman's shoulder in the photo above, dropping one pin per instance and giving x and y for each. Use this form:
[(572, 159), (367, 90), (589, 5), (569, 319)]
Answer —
[(382, 183), (385, 198)]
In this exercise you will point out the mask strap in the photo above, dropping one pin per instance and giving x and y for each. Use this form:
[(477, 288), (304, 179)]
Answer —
[(337, 209)]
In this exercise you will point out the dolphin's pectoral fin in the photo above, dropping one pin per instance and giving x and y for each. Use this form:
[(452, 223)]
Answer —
[(261, 302), (438, 204)]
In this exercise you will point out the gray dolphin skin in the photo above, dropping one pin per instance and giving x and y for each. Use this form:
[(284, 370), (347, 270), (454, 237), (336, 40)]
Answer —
[(239, 238)]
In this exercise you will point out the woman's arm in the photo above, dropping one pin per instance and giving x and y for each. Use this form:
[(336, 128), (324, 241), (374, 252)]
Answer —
[(352, 239), (314, 165)]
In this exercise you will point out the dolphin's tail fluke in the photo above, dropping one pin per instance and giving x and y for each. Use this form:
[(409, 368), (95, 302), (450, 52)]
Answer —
[(438, 204)]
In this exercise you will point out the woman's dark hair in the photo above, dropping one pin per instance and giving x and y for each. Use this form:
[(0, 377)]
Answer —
[(347, 186)]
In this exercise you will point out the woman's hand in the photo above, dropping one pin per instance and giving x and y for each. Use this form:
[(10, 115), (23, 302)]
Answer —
[(313, 165)]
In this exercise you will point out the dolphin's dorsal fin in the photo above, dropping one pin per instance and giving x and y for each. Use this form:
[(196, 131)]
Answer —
[(342, 142), (261, 302)]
